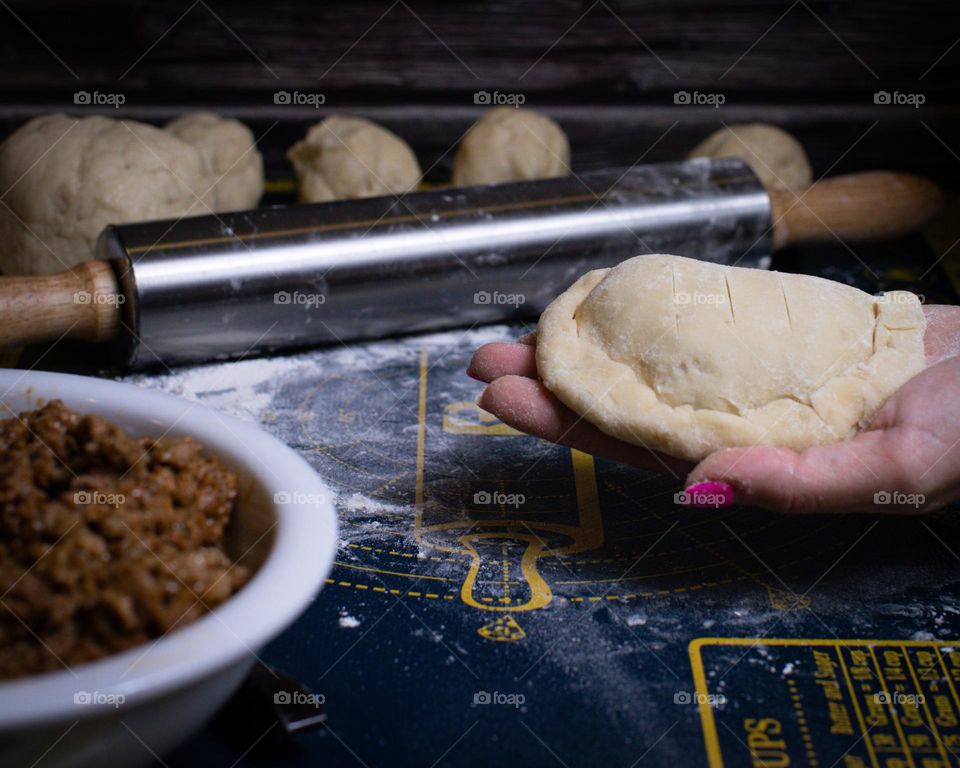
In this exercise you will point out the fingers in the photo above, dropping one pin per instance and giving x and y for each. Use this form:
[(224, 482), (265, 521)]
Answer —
[(492, 361), (527, 405), (842, 477), (517, 398)]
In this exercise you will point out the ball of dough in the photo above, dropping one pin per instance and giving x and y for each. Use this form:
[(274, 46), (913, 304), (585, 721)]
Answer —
[(235, 161), (63, 179), (777, 158), (687, 357), (347, 157), (509, 144)]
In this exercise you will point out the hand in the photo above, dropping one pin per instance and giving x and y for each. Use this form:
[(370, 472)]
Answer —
[(910, 452)]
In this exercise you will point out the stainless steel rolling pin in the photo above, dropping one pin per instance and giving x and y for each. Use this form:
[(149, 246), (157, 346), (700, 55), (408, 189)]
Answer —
[(235, 284)]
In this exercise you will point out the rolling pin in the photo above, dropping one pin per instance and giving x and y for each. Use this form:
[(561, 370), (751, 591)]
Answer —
[(215, 287)]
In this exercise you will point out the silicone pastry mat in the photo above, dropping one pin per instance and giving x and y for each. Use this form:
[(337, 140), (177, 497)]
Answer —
[(497, 598)]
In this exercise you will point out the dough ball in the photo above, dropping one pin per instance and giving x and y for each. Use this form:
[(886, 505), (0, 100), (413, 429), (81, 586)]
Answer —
[(63, 179), (509, 144), (777, 158), (687, 357), (346, 157), (234, 160)]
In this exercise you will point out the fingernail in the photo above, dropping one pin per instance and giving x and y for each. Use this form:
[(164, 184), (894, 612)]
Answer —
[(710, 494)]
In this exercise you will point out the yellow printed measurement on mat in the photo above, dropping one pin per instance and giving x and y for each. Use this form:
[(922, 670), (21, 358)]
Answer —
[(772, 703), (505, 544)]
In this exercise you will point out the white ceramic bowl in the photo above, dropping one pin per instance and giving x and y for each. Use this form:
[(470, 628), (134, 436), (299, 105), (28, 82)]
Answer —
[(170, 688)]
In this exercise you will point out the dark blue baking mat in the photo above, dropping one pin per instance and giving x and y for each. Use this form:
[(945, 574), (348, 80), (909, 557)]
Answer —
[(500, 599)]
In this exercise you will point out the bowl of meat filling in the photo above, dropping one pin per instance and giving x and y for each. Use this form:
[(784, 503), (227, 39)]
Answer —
[(149, 548)]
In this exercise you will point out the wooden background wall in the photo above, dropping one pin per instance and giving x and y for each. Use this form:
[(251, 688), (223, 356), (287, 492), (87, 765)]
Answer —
[(607, 70)]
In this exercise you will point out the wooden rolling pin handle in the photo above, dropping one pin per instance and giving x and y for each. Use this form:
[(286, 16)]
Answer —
[(873, 205), (82, 303)]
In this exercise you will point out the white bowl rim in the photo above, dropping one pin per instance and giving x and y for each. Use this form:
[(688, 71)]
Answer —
[(301, 557)]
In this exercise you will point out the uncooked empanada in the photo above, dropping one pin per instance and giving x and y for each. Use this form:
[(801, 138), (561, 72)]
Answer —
[(687, 357)]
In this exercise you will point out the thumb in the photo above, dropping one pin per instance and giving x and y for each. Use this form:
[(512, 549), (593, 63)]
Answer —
[(841, 477)]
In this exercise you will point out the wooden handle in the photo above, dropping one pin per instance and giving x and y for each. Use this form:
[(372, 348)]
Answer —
[(82, 303), (873, 205)]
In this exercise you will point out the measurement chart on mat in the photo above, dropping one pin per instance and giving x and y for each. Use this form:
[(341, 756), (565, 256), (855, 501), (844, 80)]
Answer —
[(880, 703)]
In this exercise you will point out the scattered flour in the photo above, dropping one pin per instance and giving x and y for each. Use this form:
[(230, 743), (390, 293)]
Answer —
[(347, 621), (248, 388)]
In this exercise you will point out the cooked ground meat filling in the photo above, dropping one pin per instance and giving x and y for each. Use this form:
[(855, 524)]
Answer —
[(106, 540)]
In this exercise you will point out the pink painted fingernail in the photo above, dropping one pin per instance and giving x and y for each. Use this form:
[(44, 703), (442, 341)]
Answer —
[(710, 494)]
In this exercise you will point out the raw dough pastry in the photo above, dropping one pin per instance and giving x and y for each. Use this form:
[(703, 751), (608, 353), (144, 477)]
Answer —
[(687, 357), (777, 158), (346, 157), (63, 179), (235, 163), (509, 144)]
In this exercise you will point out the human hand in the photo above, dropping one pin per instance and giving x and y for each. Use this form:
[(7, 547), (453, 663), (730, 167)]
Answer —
[(910, 451)]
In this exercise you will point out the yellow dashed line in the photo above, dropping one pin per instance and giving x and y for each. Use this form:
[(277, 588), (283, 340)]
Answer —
[(801, 720), (435, 596), (591, 598), (384, 590), (411, 555), (660, 593)]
